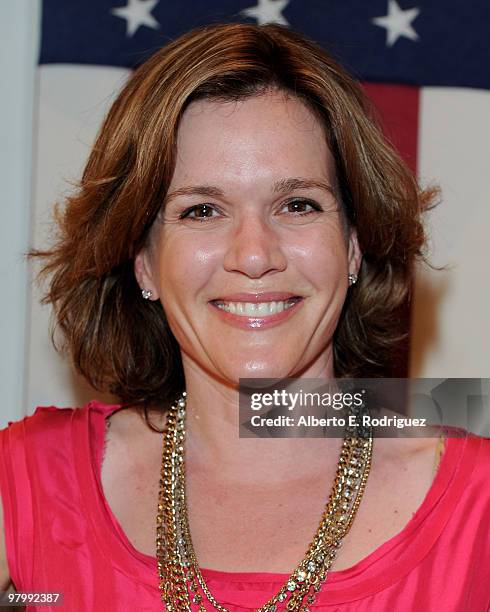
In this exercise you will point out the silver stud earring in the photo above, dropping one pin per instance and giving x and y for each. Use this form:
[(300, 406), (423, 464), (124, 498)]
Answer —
[(146, 293), (352, 279)]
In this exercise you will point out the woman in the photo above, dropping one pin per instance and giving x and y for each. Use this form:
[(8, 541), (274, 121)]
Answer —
[(240, 216)]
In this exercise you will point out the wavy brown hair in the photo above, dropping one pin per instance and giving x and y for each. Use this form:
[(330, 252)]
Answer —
[(123, 344)]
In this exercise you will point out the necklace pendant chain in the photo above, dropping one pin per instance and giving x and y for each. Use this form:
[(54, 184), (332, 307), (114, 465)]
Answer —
[(181, 583)]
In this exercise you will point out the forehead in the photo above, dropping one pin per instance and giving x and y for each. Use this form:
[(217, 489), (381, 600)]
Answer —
[(270, 136)]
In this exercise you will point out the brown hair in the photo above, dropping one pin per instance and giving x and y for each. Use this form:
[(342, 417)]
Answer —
[(122, 343)]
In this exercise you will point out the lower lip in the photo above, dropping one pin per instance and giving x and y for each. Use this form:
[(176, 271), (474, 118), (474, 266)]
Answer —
[(254, 323)]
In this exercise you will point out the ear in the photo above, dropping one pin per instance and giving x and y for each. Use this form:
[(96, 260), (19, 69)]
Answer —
[(143, 270), (355, 255)]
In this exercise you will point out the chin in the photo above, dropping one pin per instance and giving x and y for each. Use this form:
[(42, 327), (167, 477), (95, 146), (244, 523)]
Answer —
[(257, 369)]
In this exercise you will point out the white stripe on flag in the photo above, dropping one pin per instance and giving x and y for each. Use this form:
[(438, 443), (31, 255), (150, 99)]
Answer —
[(72, 103), (451, 310)]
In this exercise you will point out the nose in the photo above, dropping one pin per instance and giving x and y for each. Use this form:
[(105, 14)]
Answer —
[(254, 248)]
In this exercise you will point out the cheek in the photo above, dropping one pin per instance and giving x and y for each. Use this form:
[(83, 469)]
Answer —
[(321, 256), (185, 267)]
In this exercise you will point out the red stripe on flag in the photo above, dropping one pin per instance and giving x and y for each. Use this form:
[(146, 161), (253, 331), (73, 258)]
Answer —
[(398, 108), (398, 114)]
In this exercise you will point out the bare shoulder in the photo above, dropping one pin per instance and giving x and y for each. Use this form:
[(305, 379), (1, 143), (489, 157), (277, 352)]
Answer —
[(131, 462), (131, 446), (120, 421), (406, 451), (131, 422), (419, 444)]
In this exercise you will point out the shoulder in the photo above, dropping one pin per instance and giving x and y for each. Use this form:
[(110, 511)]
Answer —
[(131, 422), (46, 421), (465, 474), (477, 454), (469, 452), (43, 448), (51, 424)]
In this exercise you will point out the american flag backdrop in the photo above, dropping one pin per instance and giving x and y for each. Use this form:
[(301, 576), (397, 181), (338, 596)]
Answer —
[(424, 63)]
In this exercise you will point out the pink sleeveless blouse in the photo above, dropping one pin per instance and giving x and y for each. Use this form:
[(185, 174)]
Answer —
[(61, 535)]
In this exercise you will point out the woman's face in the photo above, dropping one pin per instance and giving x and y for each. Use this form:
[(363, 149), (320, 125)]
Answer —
[(250, 258)]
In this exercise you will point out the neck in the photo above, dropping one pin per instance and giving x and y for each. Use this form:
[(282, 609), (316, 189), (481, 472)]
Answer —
[(212, 436)]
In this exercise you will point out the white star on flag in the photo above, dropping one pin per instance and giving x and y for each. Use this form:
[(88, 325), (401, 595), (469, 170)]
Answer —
[(397, 23), (268, 11), (137, 13)]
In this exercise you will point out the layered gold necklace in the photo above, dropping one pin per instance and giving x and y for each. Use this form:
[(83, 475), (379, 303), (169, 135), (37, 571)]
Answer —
[(180, 580)]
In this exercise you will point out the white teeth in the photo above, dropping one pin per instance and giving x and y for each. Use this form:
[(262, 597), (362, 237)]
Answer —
[(252, 309), (263, 309)]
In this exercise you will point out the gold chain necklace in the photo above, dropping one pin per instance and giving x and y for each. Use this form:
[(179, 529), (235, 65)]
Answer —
[(178, 569)]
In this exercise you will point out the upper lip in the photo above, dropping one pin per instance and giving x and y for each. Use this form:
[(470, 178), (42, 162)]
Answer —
[(269, 296)]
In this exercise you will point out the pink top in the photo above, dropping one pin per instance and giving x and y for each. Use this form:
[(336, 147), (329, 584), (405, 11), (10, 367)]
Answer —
[(62, 536)]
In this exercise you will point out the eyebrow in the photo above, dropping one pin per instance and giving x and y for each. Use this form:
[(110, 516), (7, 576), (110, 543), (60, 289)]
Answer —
[(282, 186)]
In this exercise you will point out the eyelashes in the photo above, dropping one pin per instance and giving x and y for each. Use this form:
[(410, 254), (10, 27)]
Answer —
[(205, 212), (202, 208)]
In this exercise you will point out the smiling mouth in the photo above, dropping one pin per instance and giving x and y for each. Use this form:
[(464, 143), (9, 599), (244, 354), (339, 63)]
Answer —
[(256, 309)]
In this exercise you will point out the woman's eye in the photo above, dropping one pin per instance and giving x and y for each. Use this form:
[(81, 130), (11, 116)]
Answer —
[(302, 207), (205, 212), (200, 212)]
